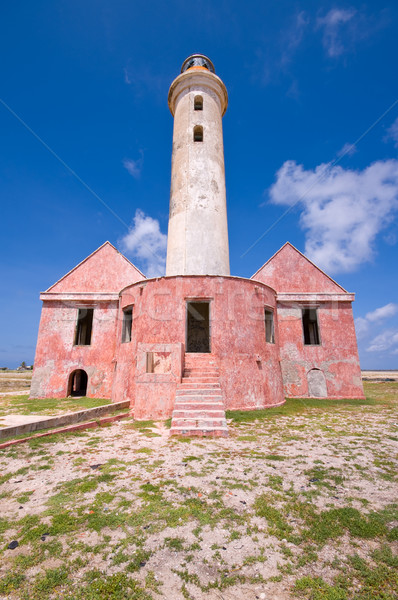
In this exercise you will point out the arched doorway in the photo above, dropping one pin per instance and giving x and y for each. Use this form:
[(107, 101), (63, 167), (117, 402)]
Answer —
[(77, 383), (317, 384)]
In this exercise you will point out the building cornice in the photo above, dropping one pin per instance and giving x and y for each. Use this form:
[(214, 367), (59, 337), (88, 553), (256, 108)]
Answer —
[(80, 296), (314, 297)]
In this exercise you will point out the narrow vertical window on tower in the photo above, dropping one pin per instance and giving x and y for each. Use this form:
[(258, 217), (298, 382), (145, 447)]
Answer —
[(310, 327), (127, 324), (198, 133), (84, 326), (198, 103), (269, 326)]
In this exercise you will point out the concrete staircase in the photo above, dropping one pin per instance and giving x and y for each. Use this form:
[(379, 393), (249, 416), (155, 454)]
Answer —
[(199, 409)]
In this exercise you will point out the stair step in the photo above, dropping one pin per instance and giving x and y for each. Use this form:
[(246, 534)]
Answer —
[(202, 379), (192, 400), (199, 408), (198, 415), (200, 423), (206, 385), (198, 391), (210, 370), (200, 432), (184, 404)]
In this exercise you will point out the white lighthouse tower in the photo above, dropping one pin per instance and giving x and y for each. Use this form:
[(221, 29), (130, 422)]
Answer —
[(198, 231)]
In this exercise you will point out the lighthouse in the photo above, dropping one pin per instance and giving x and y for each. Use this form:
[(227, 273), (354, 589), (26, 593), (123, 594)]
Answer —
[(198, 230), (198, 341)]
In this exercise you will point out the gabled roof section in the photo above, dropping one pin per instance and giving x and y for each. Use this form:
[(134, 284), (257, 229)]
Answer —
[(105, 270), (288, 270)]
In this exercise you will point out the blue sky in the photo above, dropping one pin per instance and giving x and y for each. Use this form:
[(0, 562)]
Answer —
[(310, 134)]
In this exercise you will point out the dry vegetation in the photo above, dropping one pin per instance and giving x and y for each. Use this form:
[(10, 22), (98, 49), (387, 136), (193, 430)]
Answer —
[(15, 380), (299, 502)]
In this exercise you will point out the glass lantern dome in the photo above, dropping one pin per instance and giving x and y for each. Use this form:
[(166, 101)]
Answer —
[(197, 60)]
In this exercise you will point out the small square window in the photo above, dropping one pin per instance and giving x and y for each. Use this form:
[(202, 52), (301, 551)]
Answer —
[(198, 103), (198, 133)]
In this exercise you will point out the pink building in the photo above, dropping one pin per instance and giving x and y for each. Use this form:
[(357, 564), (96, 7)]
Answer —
[(198, 341)]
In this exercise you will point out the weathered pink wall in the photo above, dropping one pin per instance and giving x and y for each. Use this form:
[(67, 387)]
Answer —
[(299, 283), (336, 356), (56, 356), (290, 271), (105, 270), (155, 392), (94, 283), (250, 374), (251, 370)]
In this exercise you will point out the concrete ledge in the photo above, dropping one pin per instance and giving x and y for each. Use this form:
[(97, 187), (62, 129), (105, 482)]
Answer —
[(63, 420), (78, 427)]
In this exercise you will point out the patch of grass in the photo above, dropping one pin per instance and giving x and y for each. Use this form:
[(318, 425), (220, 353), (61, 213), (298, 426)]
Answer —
[(274, 457), (11, 582), (332, 523), (359, 580), (51, 579), (152, 583), (7, 476), (176, 544), (23, 405), (276, 518), (315, 588), (294, 406), (191, 458), (139, 560), (112, 587)]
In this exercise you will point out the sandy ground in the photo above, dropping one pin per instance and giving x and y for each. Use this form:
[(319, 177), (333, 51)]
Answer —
[(379, 375), (190, 508), (11, 381)]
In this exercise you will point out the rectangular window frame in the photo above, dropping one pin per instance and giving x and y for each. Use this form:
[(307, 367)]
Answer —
[(195, 300), (269, 323), (127, 324), (316, 334), (84, 326)]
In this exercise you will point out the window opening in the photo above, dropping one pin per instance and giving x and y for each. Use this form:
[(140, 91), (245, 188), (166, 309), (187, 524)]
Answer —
[(78, 383), (84, 326), (149, 362), (198, 133), (198, 326), (269, 326), (310, 327), (127, 324), (198, 103)]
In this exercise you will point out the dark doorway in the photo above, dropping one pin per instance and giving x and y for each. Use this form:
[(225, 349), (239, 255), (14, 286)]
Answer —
[(198, 326), (78, 383)]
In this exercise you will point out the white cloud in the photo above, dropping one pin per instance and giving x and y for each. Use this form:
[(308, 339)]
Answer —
[(343, 210), (347, 150), (291, 38), (146, 243), (363, 324), (332, 25), (361, 327), (134, 167), (385, 341), (392, 133), (383, 312)]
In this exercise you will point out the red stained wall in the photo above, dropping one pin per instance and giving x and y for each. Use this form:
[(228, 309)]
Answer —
[(250, 374), (56, 355), (336, 356), (299, 283)]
